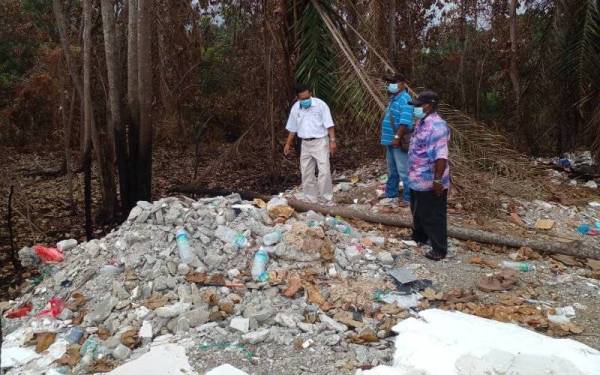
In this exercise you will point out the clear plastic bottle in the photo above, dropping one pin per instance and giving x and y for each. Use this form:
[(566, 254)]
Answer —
[(272, 238), (259, 266), (230, 236), (183, 244), (519, 266)]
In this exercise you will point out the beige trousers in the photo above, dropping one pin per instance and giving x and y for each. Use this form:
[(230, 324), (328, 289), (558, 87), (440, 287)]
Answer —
[(315, 153)]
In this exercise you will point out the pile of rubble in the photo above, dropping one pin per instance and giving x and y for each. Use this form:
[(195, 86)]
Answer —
[(110, 298), (328, 297)]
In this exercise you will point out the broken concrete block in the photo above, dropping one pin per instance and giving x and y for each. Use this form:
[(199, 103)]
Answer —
[(121, 352), (332, 324), (256, 336), (171, 311), (240, 324), (286, 320), (65, 245)]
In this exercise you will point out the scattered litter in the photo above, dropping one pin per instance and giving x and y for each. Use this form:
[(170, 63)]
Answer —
[(544, 224), (499, 281), (49, 254)]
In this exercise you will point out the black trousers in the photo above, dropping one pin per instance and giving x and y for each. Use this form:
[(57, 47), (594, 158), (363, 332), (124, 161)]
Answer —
[(429, 213)]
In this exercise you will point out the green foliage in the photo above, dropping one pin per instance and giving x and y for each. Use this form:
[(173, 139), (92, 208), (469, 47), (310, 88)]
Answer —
[(317, 61)]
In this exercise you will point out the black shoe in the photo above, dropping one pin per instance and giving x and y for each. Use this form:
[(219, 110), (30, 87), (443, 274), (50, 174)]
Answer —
[(433, 255)]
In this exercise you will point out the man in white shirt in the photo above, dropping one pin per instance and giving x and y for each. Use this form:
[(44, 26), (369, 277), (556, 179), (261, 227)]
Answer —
[(310, 118)]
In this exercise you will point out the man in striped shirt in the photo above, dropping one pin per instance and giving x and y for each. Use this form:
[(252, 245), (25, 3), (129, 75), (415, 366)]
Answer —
[(397, 121)]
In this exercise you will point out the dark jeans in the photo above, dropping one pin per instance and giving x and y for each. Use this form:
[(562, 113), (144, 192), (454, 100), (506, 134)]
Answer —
[(429, 219)]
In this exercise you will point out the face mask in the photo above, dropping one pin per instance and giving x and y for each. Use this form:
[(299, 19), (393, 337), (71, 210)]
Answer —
[(418, 112), (305, 103), (393, 88)]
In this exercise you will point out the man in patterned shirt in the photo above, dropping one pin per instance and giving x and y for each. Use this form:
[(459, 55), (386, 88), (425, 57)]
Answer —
[(429, 176)]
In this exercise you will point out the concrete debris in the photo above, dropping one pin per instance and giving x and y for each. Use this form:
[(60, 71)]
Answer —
[(333, 291)]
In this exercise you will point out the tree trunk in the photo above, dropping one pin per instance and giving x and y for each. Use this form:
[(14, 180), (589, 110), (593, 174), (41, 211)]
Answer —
[(144, 40), (114, 97), (66, 47), (132, 98), (514, 71), (584, 249), (103, 158)]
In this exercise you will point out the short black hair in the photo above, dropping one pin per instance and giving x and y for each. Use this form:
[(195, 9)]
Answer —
[(395, 78), (301, 87)]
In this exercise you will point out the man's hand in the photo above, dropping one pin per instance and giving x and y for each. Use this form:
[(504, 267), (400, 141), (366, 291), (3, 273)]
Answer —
[(287, 149), (438, 188), (396, 142), (332, 147)]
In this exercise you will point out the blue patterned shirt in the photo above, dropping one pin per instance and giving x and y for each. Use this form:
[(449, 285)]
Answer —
[(402, 113)]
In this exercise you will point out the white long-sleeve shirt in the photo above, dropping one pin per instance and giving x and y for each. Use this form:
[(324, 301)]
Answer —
[(312, 122)]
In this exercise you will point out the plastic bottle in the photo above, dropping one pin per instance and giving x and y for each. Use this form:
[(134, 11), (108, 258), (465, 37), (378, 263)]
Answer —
[(272, 238), (183, 244), (583, 228), (259, 266), (519, 266), (339, 225), (230, 236)]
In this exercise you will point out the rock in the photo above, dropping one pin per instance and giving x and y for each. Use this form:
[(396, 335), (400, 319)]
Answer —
[(145, 331), (591, 184), (332, 340), (173, 310), (196, 317), (306, 327), (119, 290), (385, 257), (332, 324), (340, 258), (260, 313), (285, 320), (352, 253), (66, 314), (101, 309), (183, 269), (28, 257), (233, 273), (213, 260), (256, 336), (240, 324), (112, 342), (65, 245), (121, 352), (134, 213)]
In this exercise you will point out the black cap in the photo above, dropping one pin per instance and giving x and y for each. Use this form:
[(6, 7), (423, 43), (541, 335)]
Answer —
[(426, 97), (398, 77)]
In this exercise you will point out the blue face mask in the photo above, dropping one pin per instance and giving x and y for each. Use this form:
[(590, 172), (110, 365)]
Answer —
[(305, 103), (418, 112), (393, 88)]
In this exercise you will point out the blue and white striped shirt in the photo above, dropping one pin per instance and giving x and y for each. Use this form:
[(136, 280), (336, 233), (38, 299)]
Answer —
[(402, 113)]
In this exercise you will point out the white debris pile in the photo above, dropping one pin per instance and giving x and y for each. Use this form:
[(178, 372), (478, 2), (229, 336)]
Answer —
[(181, 269), (453, 343)]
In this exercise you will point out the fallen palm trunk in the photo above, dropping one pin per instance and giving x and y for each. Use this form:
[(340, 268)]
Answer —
[(582, 249)]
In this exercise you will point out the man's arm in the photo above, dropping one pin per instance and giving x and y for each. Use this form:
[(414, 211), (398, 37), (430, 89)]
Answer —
[(332, 141), (292, 128), (403, 115), (288, 143), (439, 139)]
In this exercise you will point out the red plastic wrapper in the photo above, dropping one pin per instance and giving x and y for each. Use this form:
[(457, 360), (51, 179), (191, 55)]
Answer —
[(49, 254), (19, 312), (55, 307)]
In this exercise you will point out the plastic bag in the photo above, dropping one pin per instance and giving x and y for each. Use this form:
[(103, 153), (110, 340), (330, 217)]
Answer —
[(19, 312), (55, 307), (49, 254)]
